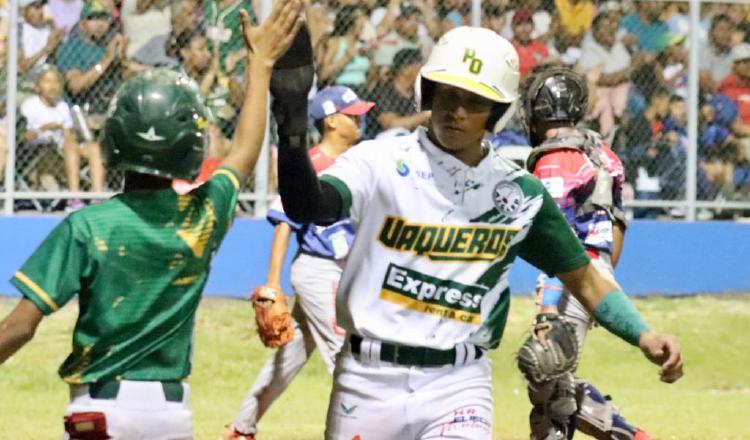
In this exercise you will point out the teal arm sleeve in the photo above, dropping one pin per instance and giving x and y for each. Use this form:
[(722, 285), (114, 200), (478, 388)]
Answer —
[(616, 313)]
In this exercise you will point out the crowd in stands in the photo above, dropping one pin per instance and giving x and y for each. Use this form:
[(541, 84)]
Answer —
[(75, 53)]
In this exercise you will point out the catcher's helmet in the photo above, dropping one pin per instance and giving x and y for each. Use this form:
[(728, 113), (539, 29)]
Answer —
[(477, 60), (157, 124), (554, 94)]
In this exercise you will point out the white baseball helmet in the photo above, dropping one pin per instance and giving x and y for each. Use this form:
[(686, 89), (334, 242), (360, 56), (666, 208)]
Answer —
[(474, 59)]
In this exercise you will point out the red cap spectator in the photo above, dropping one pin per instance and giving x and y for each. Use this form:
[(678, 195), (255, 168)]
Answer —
[(523, 16)]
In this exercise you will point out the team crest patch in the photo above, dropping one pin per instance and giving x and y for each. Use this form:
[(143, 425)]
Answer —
[(508, 198)]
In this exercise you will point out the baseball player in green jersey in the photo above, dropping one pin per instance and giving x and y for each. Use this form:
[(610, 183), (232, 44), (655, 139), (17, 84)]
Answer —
[(140, 260), (440, 218)]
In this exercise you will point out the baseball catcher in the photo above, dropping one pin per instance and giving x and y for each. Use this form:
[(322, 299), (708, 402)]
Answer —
[(585, 179)]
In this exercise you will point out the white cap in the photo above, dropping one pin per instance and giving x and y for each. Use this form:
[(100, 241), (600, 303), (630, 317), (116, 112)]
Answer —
[(740, 52)]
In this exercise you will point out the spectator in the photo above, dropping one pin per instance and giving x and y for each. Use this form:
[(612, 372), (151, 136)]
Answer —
[(671, 143), (715, 59), (3, 150), (541, 17), (345, 57), (645, 30), (383, 17), (201, 65), (717, 147), (643, 157), (93, 68), (405, 35), (65, 14), (606, 61), (530, 52), (737, 87), (143, 20), (38, 39), (644, 81), (161, 50), (49, 122), (223, 29), (672, 63), (450, 11), (740, 18), (563, 48), (396, 105), (493, 17), (575, 16), (677, 19)]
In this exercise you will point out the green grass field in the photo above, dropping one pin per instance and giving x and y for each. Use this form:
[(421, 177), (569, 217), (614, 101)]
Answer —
[(711, 402)]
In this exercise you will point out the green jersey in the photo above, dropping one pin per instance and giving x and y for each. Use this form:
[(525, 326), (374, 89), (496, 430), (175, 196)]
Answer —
[(138, 263)]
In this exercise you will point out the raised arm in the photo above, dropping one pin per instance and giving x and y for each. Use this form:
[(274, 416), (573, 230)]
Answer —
[(304, 197), (267, 42)]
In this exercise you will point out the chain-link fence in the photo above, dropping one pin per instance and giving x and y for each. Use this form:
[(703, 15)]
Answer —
[(670, 84)]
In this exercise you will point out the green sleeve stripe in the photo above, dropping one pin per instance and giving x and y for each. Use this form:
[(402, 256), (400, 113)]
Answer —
[(32, 290), (618, 314), (231, 174), (343, 190)]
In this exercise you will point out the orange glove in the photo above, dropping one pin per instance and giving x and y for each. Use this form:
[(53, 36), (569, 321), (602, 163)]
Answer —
[(272, 316)]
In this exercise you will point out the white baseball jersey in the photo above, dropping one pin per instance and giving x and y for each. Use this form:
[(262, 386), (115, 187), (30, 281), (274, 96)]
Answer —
[(435, 240)]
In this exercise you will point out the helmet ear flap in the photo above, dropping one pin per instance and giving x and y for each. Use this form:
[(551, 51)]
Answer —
[(423, 91), (500, 114)]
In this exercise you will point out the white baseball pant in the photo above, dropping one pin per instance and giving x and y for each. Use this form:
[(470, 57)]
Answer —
[(376, 400), (139, 412), (314, 281)]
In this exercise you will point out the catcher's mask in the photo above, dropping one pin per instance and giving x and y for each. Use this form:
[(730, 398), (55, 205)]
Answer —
[(553, 94)]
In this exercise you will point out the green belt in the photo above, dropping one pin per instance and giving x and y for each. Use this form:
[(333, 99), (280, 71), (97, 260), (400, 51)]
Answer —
[(412, 356), (173, 391)]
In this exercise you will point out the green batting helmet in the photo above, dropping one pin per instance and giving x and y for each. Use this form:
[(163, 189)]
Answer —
[(157, 124)]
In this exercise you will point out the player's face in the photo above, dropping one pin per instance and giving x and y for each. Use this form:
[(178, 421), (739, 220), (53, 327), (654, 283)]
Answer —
[(347, 127), (49, 86), (458, 117)]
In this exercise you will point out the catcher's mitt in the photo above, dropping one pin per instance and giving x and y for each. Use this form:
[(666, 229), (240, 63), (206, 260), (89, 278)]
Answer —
[(550, 351), (272, 316)]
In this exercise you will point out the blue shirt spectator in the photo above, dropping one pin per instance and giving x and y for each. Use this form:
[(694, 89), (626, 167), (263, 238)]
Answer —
[(652, 34)]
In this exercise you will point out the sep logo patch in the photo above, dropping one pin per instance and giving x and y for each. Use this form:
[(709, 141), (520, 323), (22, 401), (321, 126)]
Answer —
[(401, 168), (508, 198)]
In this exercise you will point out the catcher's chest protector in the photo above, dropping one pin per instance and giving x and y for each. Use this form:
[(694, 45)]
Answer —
[(590, 144)]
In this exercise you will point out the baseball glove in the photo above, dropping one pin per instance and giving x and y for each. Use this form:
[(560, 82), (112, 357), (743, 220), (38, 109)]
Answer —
[(550, 351), (272, 316)]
